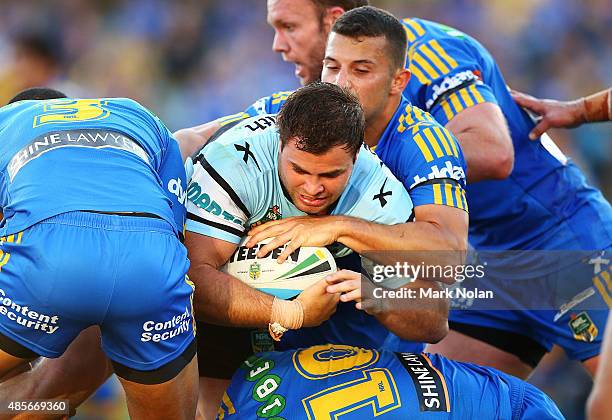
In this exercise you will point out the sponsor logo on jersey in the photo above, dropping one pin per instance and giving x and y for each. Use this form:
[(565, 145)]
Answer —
[(73, 138), (583, 327), (449, 83), (447, 171), (429, 383), (175, 187), (205, 202)]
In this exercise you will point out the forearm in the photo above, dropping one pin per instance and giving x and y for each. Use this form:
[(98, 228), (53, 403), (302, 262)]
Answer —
[(598, 107), (224, 300), (416, 317), (361, 235)]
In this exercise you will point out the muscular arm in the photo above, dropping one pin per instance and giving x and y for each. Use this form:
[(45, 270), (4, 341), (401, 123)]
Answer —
[(224, 300), (412, 317), (219, 297), (192, 139), (419, 318), (485, 141), (436, 227)]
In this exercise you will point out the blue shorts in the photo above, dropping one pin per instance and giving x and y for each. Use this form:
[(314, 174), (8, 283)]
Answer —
[(583, 296), (126, 274)]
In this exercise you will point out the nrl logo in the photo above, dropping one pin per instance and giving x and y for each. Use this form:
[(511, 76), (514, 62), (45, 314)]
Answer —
[(273, 213), (254, 271)]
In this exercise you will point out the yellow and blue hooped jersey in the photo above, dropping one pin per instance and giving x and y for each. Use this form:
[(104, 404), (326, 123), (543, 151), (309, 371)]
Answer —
[(64, 155), (546, 202), (342, 382)]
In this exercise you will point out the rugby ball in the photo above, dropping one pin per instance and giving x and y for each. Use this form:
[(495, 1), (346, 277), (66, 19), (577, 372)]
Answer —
[(304, 267)]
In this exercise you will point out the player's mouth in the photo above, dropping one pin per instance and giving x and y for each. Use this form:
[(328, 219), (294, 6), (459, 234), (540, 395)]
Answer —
[(300, 71), (312, 201)]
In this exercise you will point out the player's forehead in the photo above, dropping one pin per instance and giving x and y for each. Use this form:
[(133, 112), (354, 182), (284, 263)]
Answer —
[(290, 11), (356, 49), (337, 158)]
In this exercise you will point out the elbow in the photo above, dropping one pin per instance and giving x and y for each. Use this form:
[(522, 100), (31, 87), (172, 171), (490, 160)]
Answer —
[(504, 164), (502, 161)]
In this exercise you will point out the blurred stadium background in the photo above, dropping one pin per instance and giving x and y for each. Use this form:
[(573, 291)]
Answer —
[(191, 61)]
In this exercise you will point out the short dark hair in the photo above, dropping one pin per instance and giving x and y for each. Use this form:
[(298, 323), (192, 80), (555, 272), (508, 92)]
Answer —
[(373, 22), (37, 93), (320, 116)]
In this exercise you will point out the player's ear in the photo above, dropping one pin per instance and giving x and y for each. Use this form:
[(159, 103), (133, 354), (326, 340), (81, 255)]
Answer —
[(400, 80), (331, 15)]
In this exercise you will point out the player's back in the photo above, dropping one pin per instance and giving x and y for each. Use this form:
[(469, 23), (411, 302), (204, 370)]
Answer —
[(452, 71), (331, 381), (107, 155)]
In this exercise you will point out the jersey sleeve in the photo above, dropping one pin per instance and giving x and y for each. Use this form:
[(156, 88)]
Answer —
[(431, 164), (268, 104), (447, 74), (218, 196)]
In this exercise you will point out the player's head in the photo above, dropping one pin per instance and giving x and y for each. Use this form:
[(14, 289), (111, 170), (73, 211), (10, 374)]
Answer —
[(300, 31), (321, 128), (366, 52), (37, 93)]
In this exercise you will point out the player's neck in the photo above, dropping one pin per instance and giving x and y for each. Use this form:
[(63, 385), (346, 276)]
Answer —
[(377, 124)]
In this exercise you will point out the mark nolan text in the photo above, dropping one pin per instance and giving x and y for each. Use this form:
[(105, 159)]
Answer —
[(429, 293)]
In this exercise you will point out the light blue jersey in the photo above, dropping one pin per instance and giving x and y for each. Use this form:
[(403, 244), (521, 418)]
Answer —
[(235, 185)]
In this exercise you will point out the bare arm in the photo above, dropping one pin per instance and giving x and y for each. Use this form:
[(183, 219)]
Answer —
[(413, 317), (436, 227), (485, 141), (192, 139), (225, 300), (566, 114)]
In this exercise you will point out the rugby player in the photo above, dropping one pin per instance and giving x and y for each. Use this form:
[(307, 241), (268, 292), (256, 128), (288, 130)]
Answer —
[(339, 381), (77, 250), (535, 201), (313, 164), (568, 114)]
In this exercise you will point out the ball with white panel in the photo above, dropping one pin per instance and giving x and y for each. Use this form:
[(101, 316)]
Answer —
[(304, 267)]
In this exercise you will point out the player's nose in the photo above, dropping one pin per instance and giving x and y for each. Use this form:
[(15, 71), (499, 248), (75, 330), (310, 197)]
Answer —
[(280, 44), (342, 79)]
